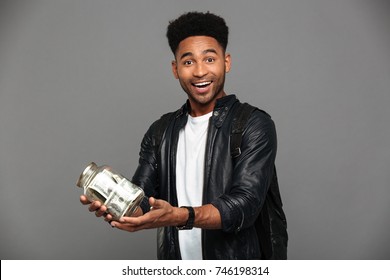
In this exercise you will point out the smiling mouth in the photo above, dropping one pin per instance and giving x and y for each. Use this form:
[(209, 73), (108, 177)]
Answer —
[(202, 84)]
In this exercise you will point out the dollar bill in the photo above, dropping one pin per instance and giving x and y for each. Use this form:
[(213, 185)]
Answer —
[(101, 187), (119, 202)]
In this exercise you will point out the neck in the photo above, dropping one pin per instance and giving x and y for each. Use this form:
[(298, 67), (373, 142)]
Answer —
[(197, 109)]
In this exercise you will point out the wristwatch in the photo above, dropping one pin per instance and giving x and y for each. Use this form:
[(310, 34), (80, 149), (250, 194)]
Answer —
[(191, 218)]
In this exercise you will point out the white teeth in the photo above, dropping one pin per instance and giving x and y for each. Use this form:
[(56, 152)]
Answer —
[(202, 84)]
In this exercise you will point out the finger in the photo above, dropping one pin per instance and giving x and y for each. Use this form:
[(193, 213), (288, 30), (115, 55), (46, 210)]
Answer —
[(125, 227), (101, 211), (84, 200), (107, 217), (95, 205), (156, 203), (133, 221), (152, 201)]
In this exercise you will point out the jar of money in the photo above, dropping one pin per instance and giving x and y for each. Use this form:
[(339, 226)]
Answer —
[(102, 183)]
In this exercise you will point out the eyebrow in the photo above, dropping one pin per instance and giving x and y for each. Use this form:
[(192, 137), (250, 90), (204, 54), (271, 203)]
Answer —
[(203, 52)]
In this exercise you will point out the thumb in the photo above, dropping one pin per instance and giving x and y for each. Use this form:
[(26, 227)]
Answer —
[(155, 203)]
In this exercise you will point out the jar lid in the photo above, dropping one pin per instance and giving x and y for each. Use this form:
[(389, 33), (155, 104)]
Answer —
[(87, 173)]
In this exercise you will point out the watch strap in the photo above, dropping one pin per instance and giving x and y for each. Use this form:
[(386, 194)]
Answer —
[(191, 218)]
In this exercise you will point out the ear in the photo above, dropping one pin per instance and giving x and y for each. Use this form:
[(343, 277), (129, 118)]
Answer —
[(174, 69), (227, 62)]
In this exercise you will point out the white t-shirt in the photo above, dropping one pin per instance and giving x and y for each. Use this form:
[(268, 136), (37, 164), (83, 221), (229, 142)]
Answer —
[(189, 179)]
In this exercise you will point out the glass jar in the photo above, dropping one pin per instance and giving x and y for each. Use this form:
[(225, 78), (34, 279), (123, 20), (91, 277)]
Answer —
[(118, 194)]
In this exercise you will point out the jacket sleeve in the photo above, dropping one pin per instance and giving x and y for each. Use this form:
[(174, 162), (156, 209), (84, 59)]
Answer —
[(145, 175), (252, 174)]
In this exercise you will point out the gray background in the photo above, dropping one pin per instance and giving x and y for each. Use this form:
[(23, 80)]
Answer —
[(81, 81)]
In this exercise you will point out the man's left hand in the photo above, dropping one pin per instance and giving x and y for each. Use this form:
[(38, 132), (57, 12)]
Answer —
[(161, 214)]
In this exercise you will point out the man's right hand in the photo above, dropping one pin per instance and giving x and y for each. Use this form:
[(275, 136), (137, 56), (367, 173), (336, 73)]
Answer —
[(96, 206)]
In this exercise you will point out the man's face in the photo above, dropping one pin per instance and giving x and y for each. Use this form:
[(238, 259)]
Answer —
[(200, 65)]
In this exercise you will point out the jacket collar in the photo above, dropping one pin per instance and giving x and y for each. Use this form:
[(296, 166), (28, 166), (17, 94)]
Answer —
[(222, 107), (226, 100)]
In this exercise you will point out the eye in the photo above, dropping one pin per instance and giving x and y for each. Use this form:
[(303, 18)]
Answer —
[(188, 62), (210, 59)]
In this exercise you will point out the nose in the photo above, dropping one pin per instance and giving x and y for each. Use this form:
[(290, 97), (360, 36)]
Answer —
[(200, 70)]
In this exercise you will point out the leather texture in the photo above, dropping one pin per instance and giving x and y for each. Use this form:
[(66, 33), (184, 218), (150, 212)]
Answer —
[(236, 187)]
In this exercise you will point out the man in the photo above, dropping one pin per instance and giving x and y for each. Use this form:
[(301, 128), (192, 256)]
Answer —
[(204, 203)]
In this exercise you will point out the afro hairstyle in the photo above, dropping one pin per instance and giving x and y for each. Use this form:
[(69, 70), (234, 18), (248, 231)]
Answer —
[(197, 24)]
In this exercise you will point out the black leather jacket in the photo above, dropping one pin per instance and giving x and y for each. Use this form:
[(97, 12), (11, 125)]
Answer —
[(237, 188)]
